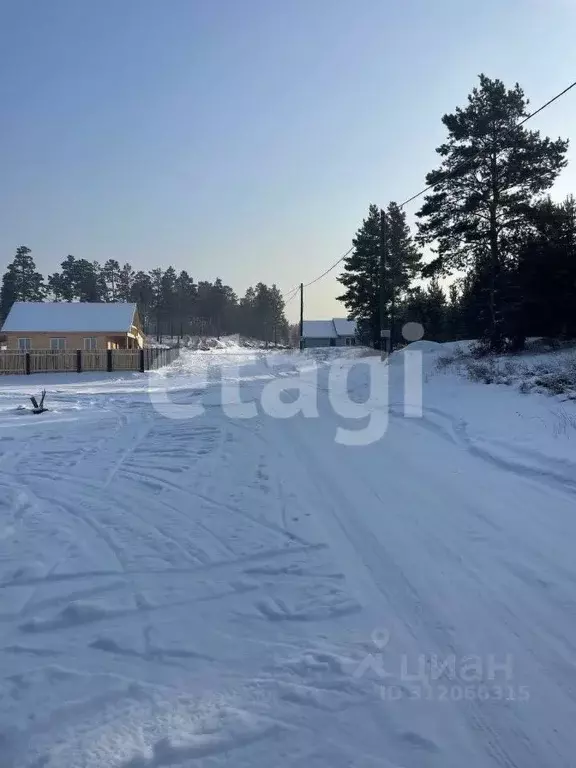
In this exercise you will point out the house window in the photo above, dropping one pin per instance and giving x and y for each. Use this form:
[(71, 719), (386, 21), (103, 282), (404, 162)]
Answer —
[(58, 345), (90, 343), (24, 345)]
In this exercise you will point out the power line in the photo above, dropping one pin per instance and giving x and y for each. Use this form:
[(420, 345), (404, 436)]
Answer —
[(293, 292), (525, 120), (329, 268), (287, 293), (287, 301), (552, 100)]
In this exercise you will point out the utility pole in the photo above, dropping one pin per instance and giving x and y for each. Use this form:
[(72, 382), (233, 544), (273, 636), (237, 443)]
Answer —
[(301, 315), (384, 332)]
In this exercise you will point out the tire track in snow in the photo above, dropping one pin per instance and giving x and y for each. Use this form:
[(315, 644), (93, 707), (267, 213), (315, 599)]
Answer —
[(397, 590), (95, 527), (221, 543), (130, 510), (269, 448), (214, 502), (541, 471), (272, 554), (141, 435)]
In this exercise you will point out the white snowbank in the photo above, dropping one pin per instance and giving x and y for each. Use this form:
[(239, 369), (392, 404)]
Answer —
[(425, 346)]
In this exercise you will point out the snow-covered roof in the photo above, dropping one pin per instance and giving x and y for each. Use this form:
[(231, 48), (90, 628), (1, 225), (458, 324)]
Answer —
[(344, 327), (318, 329), (328, 329), (69, 317)]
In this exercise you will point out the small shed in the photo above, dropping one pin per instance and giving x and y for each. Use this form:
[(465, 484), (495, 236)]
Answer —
[(59, 326)]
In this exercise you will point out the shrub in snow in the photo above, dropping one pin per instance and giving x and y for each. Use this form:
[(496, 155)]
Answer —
[(556, 383), (480, 348), (457, 355), (565, 423), (509, 368), (484, 371), (444, 361)]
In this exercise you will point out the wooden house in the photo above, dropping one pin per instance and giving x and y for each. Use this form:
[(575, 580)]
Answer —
[(59, 326)]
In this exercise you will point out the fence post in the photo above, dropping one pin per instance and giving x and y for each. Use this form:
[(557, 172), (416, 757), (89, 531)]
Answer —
[(27, 363), (141, 352), (78, 361), (109, 364)]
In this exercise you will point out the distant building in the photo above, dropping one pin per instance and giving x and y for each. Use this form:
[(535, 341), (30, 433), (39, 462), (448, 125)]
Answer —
[(72, 325), (337, 332)]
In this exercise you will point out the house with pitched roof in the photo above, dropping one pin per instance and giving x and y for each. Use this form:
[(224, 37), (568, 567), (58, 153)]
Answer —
[(337, 332), (60, 326)]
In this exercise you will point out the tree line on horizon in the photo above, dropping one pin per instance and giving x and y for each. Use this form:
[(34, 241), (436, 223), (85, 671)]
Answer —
[(491, 227), (170, 303)]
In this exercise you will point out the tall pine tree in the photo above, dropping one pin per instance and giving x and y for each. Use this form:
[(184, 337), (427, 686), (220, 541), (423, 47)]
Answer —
[(367, 282), (493, 170), (21, 282), (361, 278), (78, 280), (125, 283), (111, 278)]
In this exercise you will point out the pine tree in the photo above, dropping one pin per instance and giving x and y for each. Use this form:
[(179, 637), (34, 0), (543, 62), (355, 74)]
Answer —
[(246, 319), (111, 277), (62, 284), (427, 306), (125, 283), (21, 282), (436, 307), (204, 312), (99, 289), (78, 280), (492, 171), (142, 293), (156, 286), (8, 294), (218, 302), (278, 319), (186, 293), (403, 260), (230, 310), (454, 321), (362, 276), (168, 302), (546, 273)]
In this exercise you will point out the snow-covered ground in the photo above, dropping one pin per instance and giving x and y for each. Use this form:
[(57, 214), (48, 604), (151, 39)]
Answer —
[(539, 368), (181, 585)]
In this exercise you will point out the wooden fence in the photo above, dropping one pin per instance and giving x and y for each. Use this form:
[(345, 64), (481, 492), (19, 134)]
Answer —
[(77, 360)]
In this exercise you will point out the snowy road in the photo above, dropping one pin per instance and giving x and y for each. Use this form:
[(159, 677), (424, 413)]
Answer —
[(218, 591)]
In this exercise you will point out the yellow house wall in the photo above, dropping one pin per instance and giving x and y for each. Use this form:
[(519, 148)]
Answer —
[(73, 340)]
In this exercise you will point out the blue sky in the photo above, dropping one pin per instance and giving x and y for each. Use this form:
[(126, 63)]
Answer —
[(246, 138)]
